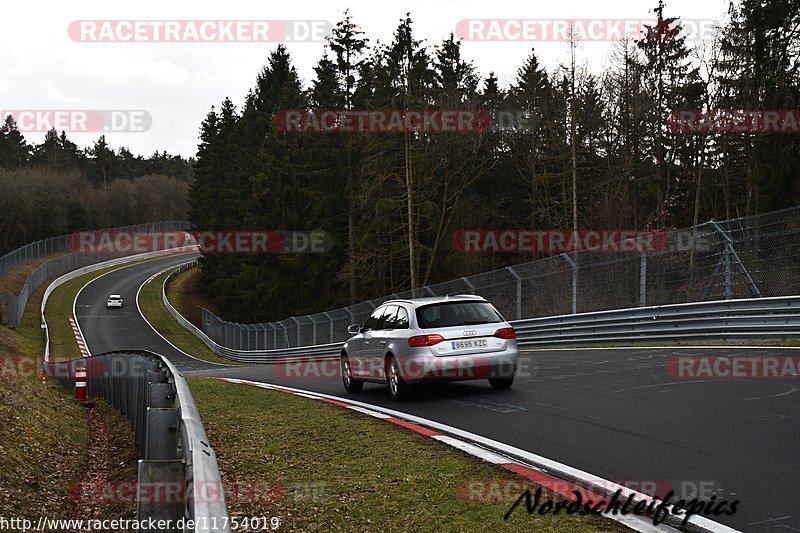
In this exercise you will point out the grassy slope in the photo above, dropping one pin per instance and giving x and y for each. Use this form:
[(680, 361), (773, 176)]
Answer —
[(183, 294), (43, 433)]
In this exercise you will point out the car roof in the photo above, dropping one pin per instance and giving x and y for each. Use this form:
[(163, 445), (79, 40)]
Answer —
[(114, 296), (436, 299)]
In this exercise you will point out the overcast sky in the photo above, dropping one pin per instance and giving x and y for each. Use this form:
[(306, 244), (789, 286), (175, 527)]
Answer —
[(177, 83)]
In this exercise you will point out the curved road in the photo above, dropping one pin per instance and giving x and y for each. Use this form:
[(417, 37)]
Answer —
[(615, 413)]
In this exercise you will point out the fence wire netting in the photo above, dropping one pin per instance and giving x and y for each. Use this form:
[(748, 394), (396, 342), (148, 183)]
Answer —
[(754, 256), (12, 306)]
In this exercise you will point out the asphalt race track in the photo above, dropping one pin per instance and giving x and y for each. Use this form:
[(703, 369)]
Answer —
[(616, 413)]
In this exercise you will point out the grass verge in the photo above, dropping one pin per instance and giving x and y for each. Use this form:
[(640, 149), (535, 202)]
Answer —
[(152, 307), (365, 474), (183, 294), (45, 435)]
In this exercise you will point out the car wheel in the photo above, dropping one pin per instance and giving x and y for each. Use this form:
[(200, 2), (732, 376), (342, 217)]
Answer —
[(398, 388), (501, 383), (350, 385)]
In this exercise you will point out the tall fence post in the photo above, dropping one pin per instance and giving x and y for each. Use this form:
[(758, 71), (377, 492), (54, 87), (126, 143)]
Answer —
[(468, 284), (642, 272), (519, 291), (574, 268), (728, 282), (330, 319), (313, 329)]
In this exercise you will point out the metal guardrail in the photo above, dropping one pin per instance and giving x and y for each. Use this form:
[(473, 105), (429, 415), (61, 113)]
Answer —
[(177, 458), (751, 319), (322, 351)]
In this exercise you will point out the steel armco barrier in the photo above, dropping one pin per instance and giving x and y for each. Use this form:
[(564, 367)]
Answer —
[(323, 351), (751, 319), (176, 457)]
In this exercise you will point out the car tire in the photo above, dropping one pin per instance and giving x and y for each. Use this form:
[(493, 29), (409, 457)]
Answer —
[(399, 390), (350, 385), (501, 383)]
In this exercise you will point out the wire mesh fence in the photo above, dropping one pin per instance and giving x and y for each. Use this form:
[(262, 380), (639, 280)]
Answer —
[(744, 257), (12, 307)]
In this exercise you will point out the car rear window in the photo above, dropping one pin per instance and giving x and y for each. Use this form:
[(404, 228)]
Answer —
[(448, 314)]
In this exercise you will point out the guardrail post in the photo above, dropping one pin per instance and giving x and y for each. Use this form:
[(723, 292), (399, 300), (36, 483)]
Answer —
[(156, 481), (574, 268), (161, 439), (519, 291)]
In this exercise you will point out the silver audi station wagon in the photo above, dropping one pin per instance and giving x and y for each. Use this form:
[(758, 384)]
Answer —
[(450, 338)]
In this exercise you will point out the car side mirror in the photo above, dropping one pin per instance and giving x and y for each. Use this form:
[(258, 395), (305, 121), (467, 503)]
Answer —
[(354, 329)]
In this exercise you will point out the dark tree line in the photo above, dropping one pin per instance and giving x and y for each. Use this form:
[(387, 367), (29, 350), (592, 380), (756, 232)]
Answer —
[(599, 154), (56, 187)]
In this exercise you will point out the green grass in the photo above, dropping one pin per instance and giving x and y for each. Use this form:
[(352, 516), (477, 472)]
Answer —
[(373, 476), (44, 433), (153, 309)]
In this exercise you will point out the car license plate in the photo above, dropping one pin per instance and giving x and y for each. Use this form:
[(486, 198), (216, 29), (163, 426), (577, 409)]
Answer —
[(473, 343)]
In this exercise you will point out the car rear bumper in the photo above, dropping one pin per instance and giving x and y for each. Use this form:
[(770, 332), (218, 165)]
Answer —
[(425, 367)]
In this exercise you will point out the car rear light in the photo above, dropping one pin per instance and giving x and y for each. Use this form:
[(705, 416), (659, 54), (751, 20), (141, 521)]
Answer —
[(505, 333), (424, 340)]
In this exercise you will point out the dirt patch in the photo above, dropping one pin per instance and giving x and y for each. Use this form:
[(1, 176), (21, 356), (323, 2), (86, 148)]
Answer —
[(109, 476)]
